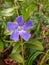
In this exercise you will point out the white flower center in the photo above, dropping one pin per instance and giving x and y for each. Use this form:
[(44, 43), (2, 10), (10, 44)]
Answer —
[(19, 28)]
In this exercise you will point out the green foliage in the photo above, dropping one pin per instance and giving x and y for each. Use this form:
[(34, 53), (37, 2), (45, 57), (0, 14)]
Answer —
[(17, 57), (44, 58), (16, 48), (34, 44), (36, 11), (27, 12), (1, 46), (33, 57)]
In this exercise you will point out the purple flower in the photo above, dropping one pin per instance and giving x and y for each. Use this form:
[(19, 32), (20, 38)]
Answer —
[(19, 28)]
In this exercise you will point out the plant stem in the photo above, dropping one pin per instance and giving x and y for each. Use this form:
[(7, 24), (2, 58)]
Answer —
[(22, 44), (38, 1), (7, 48), (15, 1)]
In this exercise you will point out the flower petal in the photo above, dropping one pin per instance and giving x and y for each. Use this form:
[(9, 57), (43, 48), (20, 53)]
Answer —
[(11, 26), (28, 25), (15, 36), (20, 20), (25, 35)]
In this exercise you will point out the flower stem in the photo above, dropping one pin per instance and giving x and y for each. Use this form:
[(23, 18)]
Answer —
[(22, 44), (38, 1)]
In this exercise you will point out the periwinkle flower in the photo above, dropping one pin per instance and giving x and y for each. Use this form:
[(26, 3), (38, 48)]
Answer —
[(19, 28)]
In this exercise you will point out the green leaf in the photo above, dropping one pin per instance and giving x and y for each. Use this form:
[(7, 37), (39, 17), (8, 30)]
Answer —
[(28, 11), (44, 58), (38, 28), (15, 52), (6, 32), (16, 48), (20, 0), (1, 46), (7, 12), (34, 44), (17, 57), (33, 57)]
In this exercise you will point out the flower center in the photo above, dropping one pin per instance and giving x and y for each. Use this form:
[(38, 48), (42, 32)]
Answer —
[(19, 28)]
